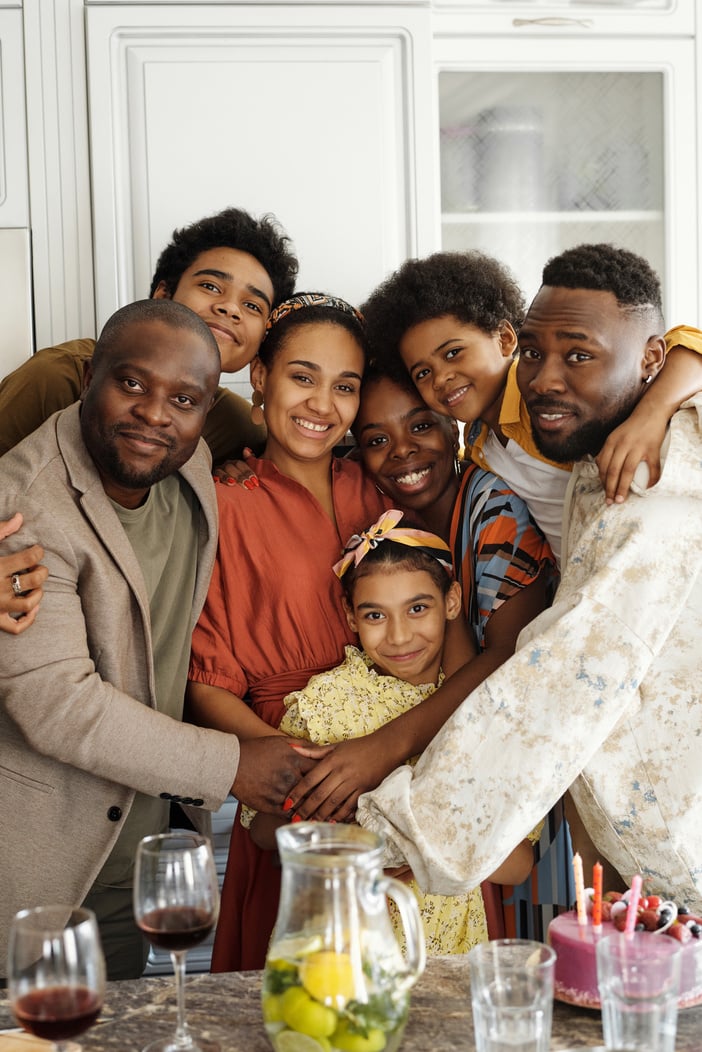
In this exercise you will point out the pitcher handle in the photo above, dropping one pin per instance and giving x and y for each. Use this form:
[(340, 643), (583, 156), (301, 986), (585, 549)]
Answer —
[(416, 958)]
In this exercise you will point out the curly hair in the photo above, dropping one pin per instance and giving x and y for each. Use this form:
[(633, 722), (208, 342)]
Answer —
[(393, 370), (233, 228), (606, 268), (470, 286)]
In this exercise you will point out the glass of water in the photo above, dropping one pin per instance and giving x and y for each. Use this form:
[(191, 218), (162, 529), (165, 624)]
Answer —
[(639, 980), (511, 982)]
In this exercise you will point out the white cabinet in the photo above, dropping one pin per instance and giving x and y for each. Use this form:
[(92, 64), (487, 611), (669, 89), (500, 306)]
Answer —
[(548, 143), (15, 278), (343, 119), (630, 18), (317, 114)]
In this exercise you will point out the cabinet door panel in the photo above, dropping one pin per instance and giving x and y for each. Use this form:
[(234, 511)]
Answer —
[(14, 210), (309, 117)]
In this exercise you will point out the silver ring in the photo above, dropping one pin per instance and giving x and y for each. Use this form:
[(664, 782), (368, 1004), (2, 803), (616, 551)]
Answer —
[(16, 584)]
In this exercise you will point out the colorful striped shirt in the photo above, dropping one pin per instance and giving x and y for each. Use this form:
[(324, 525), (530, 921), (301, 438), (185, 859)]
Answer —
[(496, 544)]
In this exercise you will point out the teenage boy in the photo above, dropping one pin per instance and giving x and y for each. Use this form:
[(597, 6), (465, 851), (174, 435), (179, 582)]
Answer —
[(231, 269)]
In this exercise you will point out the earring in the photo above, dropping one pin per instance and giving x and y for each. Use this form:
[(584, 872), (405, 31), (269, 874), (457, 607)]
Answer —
[(257, 408), (647, 379)]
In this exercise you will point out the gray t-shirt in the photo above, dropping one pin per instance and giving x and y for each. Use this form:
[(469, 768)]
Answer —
[(163, 533)]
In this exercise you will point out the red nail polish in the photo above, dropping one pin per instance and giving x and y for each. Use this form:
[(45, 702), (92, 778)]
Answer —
[(288, 804), (249, 484), (296, 818), (254, 482), (230, 481)]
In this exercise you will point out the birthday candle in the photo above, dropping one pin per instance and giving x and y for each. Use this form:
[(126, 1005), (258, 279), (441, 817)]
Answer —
[(633, 905), (579, 889), (597, 896)]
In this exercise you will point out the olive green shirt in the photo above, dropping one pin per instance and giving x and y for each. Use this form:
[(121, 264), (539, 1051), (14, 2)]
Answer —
[(52, 379), (163, 533)]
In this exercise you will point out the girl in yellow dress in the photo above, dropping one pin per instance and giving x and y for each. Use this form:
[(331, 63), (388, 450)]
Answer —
[(400, 594)]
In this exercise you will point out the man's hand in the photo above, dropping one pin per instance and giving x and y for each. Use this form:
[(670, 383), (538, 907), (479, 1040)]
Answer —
[(345, 771), (18, 611), (269, 768)]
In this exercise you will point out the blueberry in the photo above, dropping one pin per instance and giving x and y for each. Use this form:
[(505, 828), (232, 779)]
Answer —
[(682, 910), (665, 914), (696, 930), (640, 927)]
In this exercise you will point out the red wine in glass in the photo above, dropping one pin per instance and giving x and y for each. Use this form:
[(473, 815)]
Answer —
[(56, 976), (176, 901), (175, 928), (58, 1012)]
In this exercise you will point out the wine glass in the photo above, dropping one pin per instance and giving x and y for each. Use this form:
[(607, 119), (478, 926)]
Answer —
[(176, 902), (56, 972)]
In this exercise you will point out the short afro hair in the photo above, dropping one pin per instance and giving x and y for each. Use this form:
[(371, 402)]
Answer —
[(606, 268), (470, 286), (233, 228)]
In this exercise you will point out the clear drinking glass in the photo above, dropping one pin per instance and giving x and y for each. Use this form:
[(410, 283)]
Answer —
[(511, 984), (639, 979), (176, 902), (56, 972)]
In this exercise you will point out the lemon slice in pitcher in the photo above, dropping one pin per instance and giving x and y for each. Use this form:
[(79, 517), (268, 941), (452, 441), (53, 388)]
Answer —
[(294, 948), (328, 977), (290, 1041)]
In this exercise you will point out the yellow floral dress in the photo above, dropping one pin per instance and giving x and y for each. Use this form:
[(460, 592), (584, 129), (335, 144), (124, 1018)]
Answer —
[(351, 700)]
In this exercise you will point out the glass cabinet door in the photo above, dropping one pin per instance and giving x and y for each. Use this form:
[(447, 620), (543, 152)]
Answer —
[(534, 161)]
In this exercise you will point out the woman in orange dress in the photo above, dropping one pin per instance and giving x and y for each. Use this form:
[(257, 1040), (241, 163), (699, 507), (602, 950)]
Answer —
[(274, 615)]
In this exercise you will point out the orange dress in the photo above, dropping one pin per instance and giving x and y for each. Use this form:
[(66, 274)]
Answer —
[(272, 619)]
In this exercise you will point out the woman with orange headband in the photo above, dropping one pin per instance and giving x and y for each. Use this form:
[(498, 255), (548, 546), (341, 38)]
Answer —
[(273, 616)]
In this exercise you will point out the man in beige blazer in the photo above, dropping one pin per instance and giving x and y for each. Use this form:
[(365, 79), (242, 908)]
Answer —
[(92, 748)]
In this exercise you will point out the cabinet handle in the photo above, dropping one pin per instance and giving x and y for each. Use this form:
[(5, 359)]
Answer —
[(586, 23)]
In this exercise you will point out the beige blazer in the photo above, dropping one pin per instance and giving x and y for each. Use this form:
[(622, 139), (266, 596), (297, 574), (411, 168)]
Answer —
[(79, 734)]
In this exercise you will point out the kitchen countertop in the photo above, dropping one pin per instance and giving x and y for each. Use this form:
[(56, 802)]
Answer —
[(228, 1008)]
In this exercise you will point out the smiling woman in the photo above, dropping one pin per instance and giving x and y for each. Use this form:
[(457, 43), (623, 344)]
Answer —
[(274, 615)]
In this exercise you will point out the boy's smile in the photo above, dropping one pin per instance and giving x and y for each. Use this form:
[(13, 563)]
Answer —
[(459, 369)]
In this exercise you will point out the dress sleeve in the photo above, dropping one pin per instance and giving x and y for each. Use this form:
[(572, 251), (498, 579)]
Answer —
[(212, 658)]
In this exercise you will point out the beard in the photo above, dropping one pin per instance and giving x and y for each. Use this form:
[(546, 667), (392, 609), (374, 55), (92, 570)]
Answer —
[(106, 454), (587, 440)]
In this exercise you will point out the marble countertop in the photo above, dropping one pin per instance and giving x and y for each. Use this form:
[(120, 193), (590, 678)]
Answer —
[(228, 1008)]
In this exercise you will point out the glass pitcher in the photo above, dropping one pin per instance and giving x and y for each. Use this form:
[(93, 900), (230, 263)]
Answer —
[(335, 977)]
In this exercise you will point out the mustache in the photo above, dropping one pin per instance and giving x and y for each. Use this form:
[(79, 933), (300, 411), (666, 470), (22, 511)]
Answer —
[(149, 436), (543, 405)]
